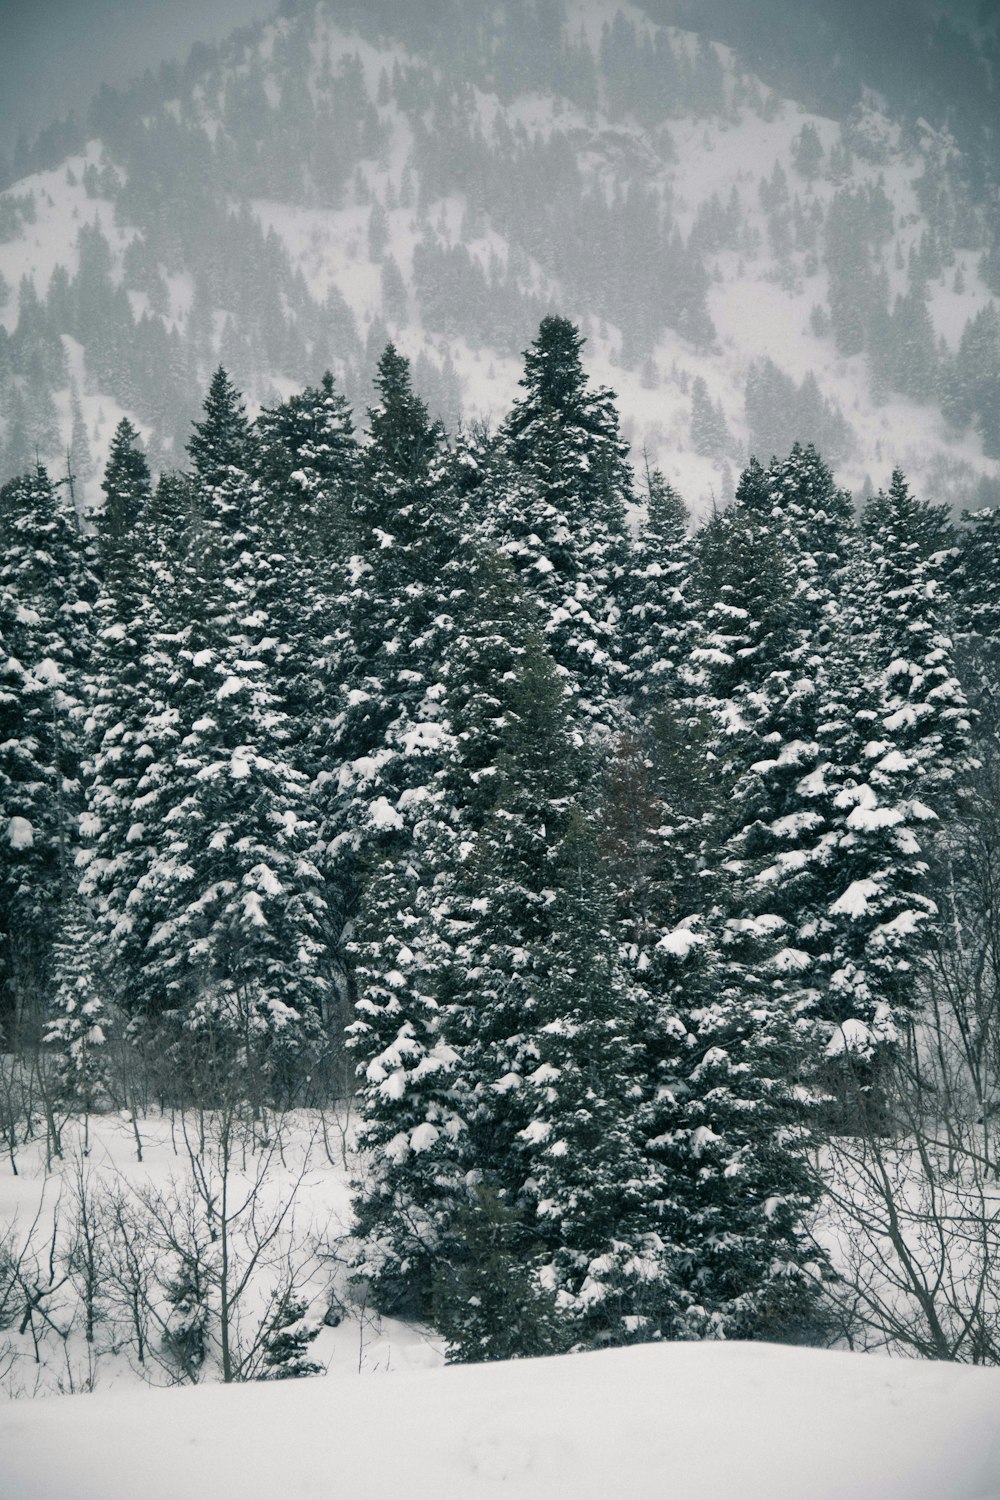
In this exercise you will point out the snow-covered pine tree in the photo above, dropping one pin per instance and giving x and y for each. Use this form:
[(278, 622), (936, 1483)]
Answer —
[(410, 1106), (723, 1122), (133, 728), (898, 726), (726, 1129), (46, 602), (584, 1181), (658, 624), (390, 827), (488, 1302), (876, 908), (30, 829), (386, 735), (127, 488), (496, 1022), (309, 470), (224, 926), (927, 712), (542, 1013), (124, 669), (657, 787), (289, 1335), (308, 473), (557, 508), (772, 707), (79, 1017), (221, 448)]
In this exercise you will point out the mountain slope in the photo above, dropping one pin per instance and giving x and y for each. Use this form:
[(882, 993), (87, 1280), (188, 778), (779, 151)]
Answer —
[(296, 196)]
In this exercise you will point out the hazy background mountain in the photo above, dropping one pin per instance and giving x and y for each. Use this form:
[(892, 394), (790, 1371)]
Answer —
[(771, 227), (56, 54)]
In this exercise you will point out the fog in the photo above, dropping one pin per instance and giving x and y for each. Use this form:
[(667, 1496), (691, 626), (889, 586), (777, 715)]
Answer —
[(55, 54)]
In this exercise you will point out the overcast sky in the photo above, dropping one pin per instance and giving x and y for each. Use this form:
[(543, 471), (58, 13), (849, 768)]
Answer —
[(54, 54)]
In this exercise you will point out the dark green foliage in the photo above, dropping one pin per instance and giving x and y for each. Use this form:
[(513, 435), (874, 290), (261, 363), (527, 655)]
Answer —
[(559, 489), (220, 442), (127, 489), (186, 1335), (709, 434), (658, 624), (286, 1343), (727, 1131), (46, 606), (487, 1304), (779, 414), (79, 1023), (972, 385), (202, 866), (857, 223), (807, 152)]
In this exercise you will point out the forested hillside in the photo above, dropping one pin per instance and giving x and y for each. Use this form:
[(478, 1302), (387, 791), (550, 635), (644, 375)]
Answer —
[(748, 273)]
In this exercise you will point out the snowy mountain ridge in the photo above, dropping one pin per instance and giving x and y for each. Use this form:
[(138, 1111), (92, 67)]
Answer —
[(395, 244)]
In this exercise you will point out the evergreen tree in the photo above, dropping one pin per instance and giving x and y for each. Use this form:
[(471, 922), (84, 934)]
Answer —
[(387, 734), (498, 1015), (287, 1341), (796, 713), (79, 1021), (727, 1131), (914, 345), (309, 469), (926, 710), (708, 424), (658, 628), (46, 598), (221, 923), (545, 1022), (807, 152), (972, 390), (876, 911), (488, 1303), (221, 448), (127, 489), (559, 492), (133, 728)]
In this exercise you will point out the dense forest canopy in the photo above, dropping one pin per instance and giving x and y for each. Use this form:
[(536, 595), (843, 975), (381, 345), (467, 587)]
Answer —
[(614, 865)]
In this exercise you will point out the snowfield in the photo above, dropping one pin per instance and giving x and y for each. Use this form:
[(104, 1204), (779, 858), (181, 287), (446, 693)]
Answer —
[(691, 1421), (681, 1420)]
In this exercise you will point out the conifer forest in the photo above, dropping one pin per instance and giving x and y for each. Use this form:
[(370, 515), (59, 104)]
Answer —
[(499, 774)]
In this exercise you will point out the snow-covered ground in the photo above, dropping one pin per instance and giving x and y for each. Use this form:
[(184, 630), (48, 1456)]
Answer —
[(719, 1420), (137, 1181), (697, 1422)]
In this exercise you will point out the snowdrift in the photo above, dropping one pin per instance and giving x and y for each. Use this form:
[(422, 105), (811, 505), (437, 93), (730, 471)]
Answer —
[(693, 1422)]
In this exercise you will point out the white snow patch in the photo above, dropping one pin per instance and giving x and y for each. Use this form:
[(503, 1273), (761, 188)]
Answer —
[(383, 815), (854, 901), (20, 834), (699, 1421)]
